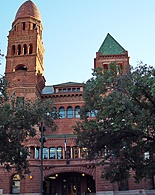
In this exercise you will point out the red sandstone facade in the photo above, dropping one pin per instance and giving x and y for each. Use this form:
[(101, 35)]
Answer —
[(65, 168)]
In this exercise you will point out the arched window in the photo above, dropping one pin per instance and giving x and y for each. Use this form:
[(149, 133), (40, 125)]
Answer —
[(69, 112), (13, 50), (21, 67), (54, 113), (59, 153), (25, 49), (93, 113), (30, 49), (52, 153), (19, 50), (77, 110), (83, 152), (75, 152), (15, 184), (45, 153), (88, 114), (62, 112), (37, 153), (68, 152)]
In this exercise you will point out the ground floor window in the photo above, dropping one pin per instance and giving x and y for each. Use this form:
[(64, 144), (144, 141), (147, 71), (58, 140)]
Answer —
[(123, 185), (15, 184)]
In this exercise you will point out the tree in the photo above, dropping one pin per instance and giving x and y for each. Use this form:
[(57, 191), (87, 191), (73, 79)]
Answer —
[(122, 135), (19, 119)]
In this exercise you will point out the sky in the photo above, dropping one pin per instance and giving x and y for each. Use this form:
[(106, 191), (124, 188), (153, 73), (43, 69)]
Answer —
[(75, 29)]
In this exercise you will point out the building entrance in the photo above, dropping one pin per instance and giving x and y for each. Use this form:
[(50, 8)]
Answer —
[(69, 184)]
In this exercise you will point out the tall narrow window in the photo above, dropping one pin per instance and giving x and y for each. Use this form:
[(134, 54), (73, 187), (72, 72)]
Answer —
[(68, 152), (30, 49), (19, 50), (75, 152), (59, 153), (34, 26), (23, 26), (62, 112), (15, 184), (37, 153), (13, 50), (52, 153), (69, 112), (77, 110), (25, 49), (45, 153)]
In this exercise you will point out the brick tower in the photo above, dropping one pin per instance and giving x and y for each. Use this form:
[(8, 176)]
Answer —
[(111, 51), (25, 52)]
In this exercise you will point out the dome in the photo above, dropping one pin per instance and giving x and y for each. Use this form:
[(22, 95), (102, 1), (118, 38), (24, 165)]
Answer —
[(28, 9)]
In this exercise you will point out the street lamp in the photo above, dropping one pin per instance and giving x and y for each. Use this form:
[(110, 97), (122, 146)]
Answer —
[(42, 140)]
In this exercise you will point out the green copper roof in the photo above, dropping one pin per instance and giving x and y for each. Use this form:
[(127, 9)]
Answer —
[(110, 46)]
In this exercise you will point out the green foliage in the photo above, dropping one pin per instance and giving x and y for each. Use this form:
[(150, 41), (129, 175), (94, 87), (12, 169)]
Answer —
[(123, 129), (18, 121)]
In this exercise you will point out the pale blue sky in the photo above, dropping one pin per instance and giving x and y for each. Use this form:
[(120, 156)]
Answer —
[(75, 29)]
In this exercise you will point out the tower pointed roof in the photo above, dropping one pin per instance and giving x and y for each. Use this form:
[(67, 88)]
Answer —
[(28, 9), (111, 46)]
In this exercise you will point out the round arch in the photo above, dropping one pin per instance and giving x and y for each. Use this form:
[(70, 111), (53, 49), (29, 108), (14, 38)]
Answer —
[(89, 170)]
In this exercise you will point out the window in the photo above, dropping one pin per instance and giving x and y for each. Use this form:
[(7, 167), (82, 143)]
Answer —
[(59, 153), (23, 26), (15, 184), (54, 113), (73, 89), (64, 90), (69, 112), (52, 153), (105, 66), (119, 69), (69, 89), (83, 152), (13, 50), (77, 110), (21, 67), (19, 49), (59, 90), (123, 185), (94, 113), (45, 153), (88, 114), (34, 26), (75, 152), (37, 153), (25, 49), (68, 152), (78, 89), (62, 112), (30, 49)]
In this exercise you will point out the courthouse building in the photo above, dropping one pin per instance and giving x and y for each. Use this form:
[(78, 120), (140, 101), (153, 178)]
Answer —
[(70, 174)]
